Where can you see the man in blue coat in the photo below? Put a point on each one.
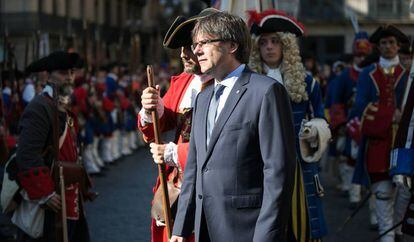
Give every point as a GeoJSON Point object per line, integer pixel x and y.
{"type": "Point", "coordinates": [241, 162]}
{"type": "Point", "coordinates": [343, 91]}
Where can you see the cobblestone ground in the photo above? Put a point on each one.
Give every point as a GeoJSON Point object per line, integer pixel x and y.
{"type": "Point", "coordinates": [122, 212]}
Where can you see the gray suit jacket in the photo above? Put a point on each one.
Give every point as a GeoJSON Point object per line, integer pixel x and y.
{"type": "Point", "coordinates": [243, 179]}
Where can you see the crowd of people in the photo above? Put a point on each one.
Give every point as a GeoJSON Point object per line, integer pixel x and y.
{"type": "Point", "coordinates": [251, 118]}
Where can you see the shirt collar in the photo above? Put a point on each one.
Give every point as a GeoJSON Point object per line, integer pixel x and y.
{"type": "Point", "coordinates": [274, 73]}
{"type": "Point", "coordinates": [48, 89]}
{"type": "Point", "coordinates": [231, 78]}
{"type": "Point", "coordinates": [387, 63]}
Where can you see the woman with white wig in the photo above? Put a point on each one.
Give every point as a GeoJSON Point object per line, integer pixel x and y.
{"type": "Point", "coordinates": [276, 53]}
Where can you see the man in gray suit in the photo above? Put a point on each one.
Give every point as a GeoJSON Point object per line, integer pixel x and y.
{"type": "Point", "coordinates": [240, 168]}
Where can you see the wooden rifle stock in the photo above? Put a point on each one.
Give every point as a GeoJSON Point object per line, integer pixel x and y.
{"type": "Point", "coordinates": [161, 167]}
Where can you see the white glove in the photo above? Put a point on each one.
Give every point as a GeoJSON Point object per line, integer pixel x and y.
{"type": "Point", "coordinates": [402, 181]}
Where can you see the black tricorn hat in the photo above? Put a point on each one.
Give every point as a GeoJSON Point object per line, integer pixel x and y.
{"type": "Point", "coordinates": [386, 31]}
{"type": "Point", "coordinates": [58, 60]}
{"type": "Point", "coordinates": [271, 21]}
{"type": "Point", "coordinates": [179, 33]}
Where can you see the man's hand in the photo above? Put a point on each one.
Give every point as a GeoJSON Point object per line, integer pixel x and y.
{"type": "Point", "coordinates": [157, 151]}
{"type": "Point", "coordinates": [55, 203]}
{"type": "Point", "coordinates": [150, 97]}
{"type": "Point", "coordinates": [175, 238]}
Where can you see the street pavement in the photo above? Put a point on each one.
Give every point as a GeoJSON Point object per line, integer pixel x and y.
{"type": "Point", "coordinates": [122, 211]}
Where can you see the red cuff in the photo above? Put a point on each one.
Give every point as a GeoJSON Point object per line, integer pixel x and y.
{"type": "Point", "coordinates": [37, 182]}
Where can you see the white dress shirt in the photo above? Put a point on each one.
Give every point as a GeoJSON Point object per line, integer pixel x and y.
{"type": "Point", "coordinates": [228, 82]}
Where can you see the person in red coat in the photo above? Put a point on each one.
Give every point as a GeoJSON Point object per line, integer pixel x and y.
{"type": "Point", "coordinates": [175, 111]}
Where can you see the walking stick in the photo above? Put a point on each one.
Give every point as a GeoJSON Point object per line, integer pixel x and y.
{"type": "Point", "coordinates": [161, 167]}
{"type": "Point", "coordinates": [62, 195]}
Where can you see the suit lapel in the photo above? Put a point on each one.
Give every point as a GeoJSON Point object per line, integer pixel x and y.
{"type": "Point", "coordinates": [231, 102]}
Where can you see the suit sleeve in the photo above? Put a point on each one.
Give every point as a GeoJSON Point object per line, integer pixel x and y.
{"type": "Point", "coordinates": [184, 220]}
{"type": "Point", "coordinates": [277, 146]}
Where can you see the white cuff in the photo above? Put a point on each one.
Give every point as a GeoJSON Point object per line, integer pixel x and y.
{"type": "Point", "coordinates": [44, 200]}
{"type": "Point", "coordinates": [146, 118]}
{"type": "Point", "coordinates": [171, 155]}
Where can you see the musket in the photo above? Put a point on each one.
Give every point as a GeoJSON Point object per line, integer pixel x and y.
{"type": "Point", "coordinates": [356, 210]}
{"type": "Point", "coordinates": [63, 199]}
{"type": "Point", "coordinates": [161, 167]}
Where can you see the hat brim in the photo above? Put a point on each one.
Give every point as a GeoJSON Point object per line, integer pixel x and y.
{"type": "Point", "coordinates": [277, 23]}
{"type": "Point", "coordinates": [386, 31]}
{"type": "Point", "coordinates": [179, 34]}
{"type": "Point", "coordinates": [58, 60]}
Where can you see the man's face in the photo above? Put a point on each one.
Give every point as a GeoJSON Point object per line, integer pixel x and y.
{"type": "Point", "coordinates": [270, 49]}
{"type": "Point", "coordinates": [388, 47]}
{"type": "Point", "coordinates": [189, 60]}
{"type": "Point", "coordinates": [358, 59]}
{"type": "Point", "coordinates": [210, 55]}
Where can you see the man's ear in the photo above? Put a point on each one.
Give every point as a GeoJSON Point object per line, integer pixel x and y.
{"type": "Point", "coordinates": [233, 47]}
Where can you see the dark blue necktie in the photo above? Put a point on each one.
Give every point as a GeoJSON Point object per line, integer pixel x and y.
{"type": "Point", "coordinates": [212, 110]}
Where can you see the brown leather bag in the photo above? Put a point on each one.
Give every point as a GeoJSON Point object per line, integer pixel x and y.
{"type": "Point", "coordinates": [73, 172]}
{"type": "Point", "coordinates": [173, 193]}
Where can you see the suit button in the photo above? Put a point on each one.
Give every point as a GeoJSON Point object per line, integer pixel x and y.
{"type": "Point", "coordinates": [200, 196]}
{"type": "Point", "coordinates": [205, 170]}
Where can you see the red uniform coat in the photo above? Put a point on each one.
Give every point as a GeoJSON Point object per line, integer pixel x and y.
{"type": "Point", "coordinates": [170, 121]}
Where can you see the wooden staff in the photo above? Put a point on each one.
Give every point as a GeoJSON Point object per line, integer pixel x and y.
{"type": "Point", "coordinates": [161, 167]}
{"type": "Point", "coordinates": [62, 195]}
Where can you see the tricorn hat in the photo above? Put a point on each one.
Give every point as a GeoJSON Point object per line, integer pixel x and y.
{"type": "Point", "coordinates": [58, 60]}
{"type": "Point", "coordinates": [271, 21]}
{"type": "Point", "coordinates": [386, 31]}
{"type": "Point", "coordinates": [179, 33]}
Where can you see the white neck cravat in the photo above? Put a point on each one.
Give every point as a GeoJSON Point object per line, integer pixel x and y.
{"type": "Point", "coordinates": [387, 63]}
{"type": "Point", "coordinates": [274, 73]}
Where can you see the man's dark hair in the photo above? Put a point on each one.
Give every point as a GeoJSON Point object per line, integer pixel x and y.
{"type": "Point", "coordinates": [228, 27]}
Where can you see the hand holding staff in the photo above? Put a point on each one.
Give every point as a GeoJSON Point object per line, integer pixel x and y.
{"type": "Point", "coordinates": [161, 167]}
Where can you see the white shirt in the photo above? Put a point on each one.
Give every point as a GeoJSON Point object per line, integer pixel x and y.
{"type": "Point", "coordinates": [228, 82]}
{"type": "Point", "coordinates": [191, 93]}
{"type": "Point", "coordinates": [274, 73]}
